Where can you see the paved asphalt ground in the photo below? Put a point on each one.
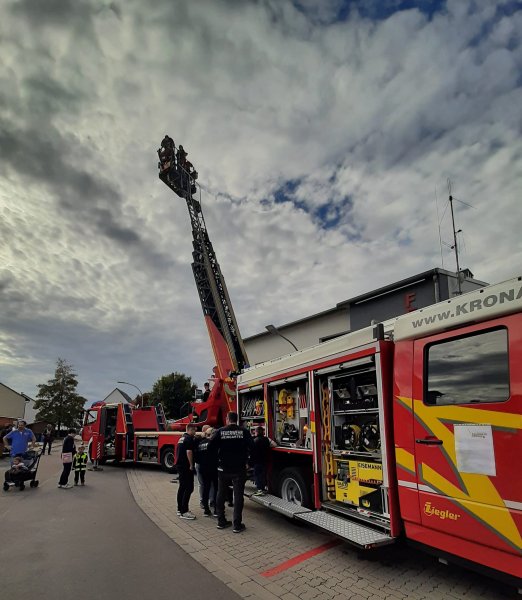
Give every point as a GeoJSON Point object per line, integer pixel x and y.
{"type": "Point", "coordinates": [119, 537]}
{"type": "Point", "coordinates": [92, 542]}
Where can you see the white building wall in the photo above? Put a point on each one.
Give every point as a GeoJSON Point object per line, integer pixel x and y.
{"type": "Point", "coordinates": [117, 397]}
{"type": "Point", "coordinates": [29, 412]}
{"type": "Point", "coordinates": [12, 404]}
{"type": "Point", "coordinates": [303, 334]}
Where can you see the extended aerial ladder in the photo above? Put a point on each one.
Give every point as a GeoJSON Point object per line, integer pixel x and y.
{"type": "Point", "coordinates": [227, 345]}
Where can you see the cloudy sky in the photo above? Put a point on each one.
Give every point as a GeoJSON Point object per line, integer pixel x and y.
{"type": "Point", "coordinates": [323, 130]}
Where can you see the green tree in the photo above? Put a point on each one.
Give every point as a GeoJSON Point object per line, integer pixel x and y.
{"type": "Point", "coordinates": [57, 401]}
{"type": "Point", "coordinates": [173, 391]}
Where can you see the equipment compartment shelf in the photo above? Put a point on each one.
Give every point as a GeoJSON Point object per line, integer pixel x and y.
{"type": "Point", "coordinates": [356, 411]}
{"type": "Point", "coordinates": [346, 454]}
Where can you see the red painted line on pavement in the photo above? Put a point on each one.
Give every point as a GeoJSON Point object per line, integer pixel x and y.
{"type": "Point", "coordinates": [288, 564]}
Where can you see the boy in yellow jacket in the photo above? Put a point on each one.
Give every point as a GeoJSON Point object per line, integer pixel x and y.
{"type": "Point", "coordinates": [80, 465]}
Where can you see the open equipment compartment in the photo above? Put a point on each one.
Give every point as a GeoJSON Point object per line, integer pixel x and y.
{"type": "Point", "coordinates": [355, 441]}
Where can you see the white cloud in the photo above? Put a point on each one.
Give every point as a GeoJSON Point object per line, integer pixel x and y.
{"type": "Point", "coordinates": [368, 118]}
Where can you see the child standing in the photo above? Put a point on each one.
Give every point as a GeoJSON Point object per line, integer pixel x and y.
{"type": "Point", "coordinates": [80, 465]}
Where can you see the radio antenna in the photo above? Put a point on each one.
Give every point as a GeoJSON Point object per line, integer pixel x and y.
{"type": "Point", "coordinates": [438, 223]}
{"type": "Point", "coordinates": [455, 246]}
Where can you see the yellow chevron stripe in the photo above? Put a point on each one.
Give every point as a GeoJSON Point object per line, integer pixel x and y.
{"type": "Point", "coordinates": [405, 459]}
{"type": "Point", "coordinates": [480, 497]}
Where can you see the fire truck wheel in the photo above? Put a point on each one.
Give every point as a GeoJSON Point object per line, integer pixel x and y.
{"type": "Point", "coordinates": [167, 460]}
{"type": "Point", "coordinates": [293, 488]}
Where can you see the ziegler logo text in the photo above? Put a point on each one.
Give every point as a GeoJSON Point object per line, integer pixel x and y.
{"type": "Point", "coordinates": [431, 511]}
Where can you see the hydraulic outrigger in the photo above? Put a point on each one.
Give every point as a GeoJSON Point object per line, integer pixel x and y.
{"type": "Point", "coordinates": [229, 352]}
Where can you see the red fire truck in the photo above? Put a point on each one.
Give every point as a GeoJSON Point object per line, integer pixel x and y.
{"type": "Point", "coordinates": [126, 432]}
{"type": "Point", "coordinates": [410, 428]}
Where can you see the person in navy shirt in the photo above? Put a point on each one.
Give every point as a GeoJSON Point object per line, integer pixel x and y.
{"type": "Point", "coordinates": [18, 440]}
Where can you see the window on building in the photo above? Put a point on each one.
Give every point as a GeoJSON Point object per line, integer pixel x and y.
{"type": "Point", "coordinates": [468, 370]}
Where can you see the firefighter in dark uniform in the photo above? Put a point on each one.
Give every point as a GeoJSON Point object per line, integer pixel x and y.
{"type": "Point", "coordinates": [185, 465]}
{"type": "Point", "coordinates": [233, 445]}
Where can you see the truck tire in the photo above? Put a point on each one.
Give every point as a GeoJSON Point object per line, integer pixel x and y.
{"type": "Point", "coordinates": [167, 459]}
{"type": "Point", "coordinates": [293, 488]}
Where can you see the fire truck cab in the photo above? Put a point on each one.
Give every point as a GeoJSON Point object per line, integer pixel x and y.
{"type": "Point", "coordinates": [121, 432]}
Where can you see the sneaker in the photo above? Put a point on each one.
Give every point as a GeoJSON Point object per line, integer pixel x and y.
{"type": "Point", "coordinates": [231, 504]}
{"type": "Point", "coordinates": [60, 486]}
{"type": "Point", "coordinates": [68, 486]}
{"type": "Point", "coordinates": [239, 529]}
{"type": "Point", "coordinates": [224, 524]}
{"type": "Point", "coordinates": [178, 512]}
{"type": "Point", "coordinates": [214, 514]}
{"type": "Point", "coordinates": [207, 513]}
{"type": "Point", "coordinates": [259, 493]}
{"type": "Point", "coordinates": [188, 515]}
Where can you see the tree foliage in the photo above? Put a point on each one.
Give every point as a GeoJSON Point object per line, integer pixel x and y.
{"type": "Point", "coordinates": [57, 400]}
{"type": "Point", "coordinates": [173, 391]}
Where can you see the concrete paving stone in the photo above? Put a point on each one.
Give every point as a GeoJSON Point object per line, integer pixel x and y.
{"type": "Point", "coordinates": [289, 596]}
{"type": "Point", "coordinates": [376, 592]}
{"type": "Point", "coordinates": [257, 590]}
{"type": "Point", "coordinates": [396, 595]}
{"type": "Point", "coordinates": [246, 570]}
{"type": "Point", "coordinates": [332, 583]}
{"type": "Point", "coordinates": [316, 581]}
{"type": "Point", "coordinates": [239, 589]}
{"type": "Point", "coordinates": [326, 595]}
{"type": "Point", "coordinates": [275, 589]}
{"type": "Point", "coordinates": [234, 562]}
{"type": "Point", "coordinates": [259, 579]}
{"type": "Point", "coordinates": [299, 590]}
{"type": "Point", "coordinates": [309, 594]}
{"type": "Point", "coordinates": [223, 576]}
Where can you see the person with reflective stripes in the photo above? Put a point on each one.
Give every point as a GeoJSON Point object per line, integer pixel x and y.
{"type": "Point", "coordinates": [80, 465]}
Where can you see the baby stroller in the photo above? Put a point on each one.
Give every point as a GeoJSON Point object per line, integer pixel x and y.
{"type": "Point", "coordinates": [31, 460]}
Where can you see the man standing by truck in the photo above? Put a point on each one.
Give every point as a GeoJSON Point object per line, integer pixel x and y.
{"type": "Point", "coordinates": [186, 468]}
{"type": "Point", "coordinates": [233, 445]}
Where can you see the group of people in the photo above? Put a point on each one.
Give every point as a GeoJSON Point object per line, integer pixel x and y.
{"type": "Point", "coordinates": [220, 458]}
{"type": "Point", "coordinates": [17, 438]}
{"type": "Point", "coordinates": [72, 459]}
{"type": "Point", "coordinates": [19, 443]}
{"type": "Point", "coordinates": [167, 153]}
